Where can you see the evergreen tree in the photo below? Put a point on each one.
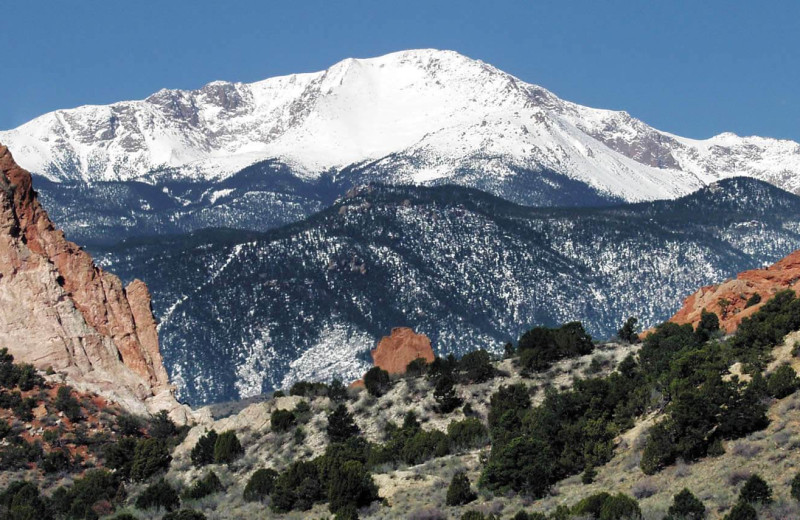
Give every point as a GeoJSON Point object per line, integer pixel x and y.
{"type": "Point", "coordinates": [444, 393]}
{"type": "Point", "coordinates": [782, 382]}
{"type": "Point", "coordinates": [158, 496]}
{"type": "Point", "coordinates": [150, 457]}
{"type": "Point", "coordinates": [203, 451]}
{"type": "Point", "coordinates": [708, 326]}
{"type": "Point", "coordinates": [460, 492]}
{"type": "Point", "coordinates": [341, 425]}
{"type": "Point", "coordinates": [351, 486]}
{"type": "Point", "coordinates": [686, 506]}
{"type": "Point", "coordinates": [376, 381]}
{"type": "Point", "coordinates": [227, 448]}
{"type": "Point", "coordinates": [742, 511]}
{"type": "Point", "coordinates": [628, 331]}
{"type": "Point", "coordinates": [756, 491]}
{"type": "Point", "coordinates": [260, 485]}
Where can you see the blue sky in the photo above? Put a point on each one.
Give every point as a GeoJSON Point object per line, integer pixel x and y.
{"type": "Point", "coordinates": [688, 67]}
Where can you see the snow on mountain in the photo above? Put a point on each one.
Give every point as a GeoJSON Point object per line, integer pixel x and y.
{"type": "Point", "coordinates": [422, 116]}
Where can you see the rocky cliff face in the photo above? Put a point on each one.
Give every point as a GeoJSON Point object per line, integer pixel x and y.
{"type": "Point", "coordinates": [57, 309]}
{"type": "Point", "coordinates": [396, 351]}
{"type": "Point", "coordinates": [729, 299]}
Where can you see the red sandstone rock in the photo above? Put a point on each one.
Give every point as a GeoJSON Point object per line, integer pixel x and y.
{"type": "Point", "coordinates": [403, 346]}
{"type": "Point", "coordinates": [57, 309]}
{"type": "Point", "coordinates": [784, 274]}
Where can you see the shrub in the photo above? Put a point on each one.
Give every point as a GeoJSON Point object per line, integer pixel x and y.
{"type": "Point", "coordinates": [351, 486]}
{"type": "Point", "coordinates": [686, 506]}
{"type": "Point", "coordinates": [341, 425]}
{"type": "Point", "coordinates": [207, 485]}
{"type": "Point", "coordinates": [782, 382]}
{"type": "Point", "coordinates": [227, 448]}
{"type": "Point", "coordinates": [742, 511]}
{"type": "Point", "coordinates": [282, 420]}
{"type": "Point", "coordinates": [628, 331]}
{"type": "Point", "coordinates": [150, 457]}
{"type": "Point", "coordinates": [161, 426]}
{"type": "Point", "coordinates": [756, 490]}
{"type": "Point", "coordinates": [620, 507]}
{"type": "Point", "coordinates": [540, 347]}
{"type": "Point", "coordinates": [159, 495]}
{"type": "Point", "coordinates": [203, 452]}
{"type": "Point", "coordinates": [337, 392]}
{"type": "Point", "coordinates": [473, 515]}
{"type": "Point", "coordinates": [425, 445]}
{"type": "Point", "coordinates": [185, 514]}
{"type": "Point", "coordinates": [22, 501]}
{"type": "Point", "coordinates": [260, 485]}
{"type": "Point", "coordinates": [755, 299]}
{"type": "Point", "coordinates": [376, 381]}
{"type": "Point", "coordinates": [67, 404]}
{"type": "Point", "coordinates": [299, 487]}
{"type": "Point", "coordinates": [467, 434]}
{"type": "Point", "coordinates": [416, 367]}
{"type": "Point", "coordinates": [525, 464]}
{"type": "Point", "coordinates": [659, 450]}
{"type": "Point", "coordinates": [444, 393]}
{"type": "Point", "coordinates": [96, 487]}
{"type": "Point", "coordinates": [476, 366]}
{"type": "Point", "coordinates": [460, 492]}
{"type": "Point", "coordinates": [708, 325]}
{"type": "Point", "coordinates": [119, 455]}
{"type": "Point", "coordinates": [56, 461]}
{"type": "Point", "coordinates": [347, 513]}
{"type": "Point", "coordinates": [796, 487]}
{"type": "Point", "coordinates": [129, 425]}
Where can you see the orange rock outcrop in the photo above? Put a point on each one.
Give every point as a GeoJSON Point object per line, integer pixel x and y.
{"type": "Point", "coordinates": [396, 351]}
{"type": "Point", "coordinates": [59, 310]}
{"type": "Point", "coordinates": [728, 299]}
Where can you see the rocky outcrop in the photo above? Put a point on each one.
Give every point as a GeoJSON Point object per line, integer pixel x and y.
{"type": "Point", "coordinates": [59, 310]}
{"type": "Point", "coordinates": [396, 351]}
{"type": "Point", "coordinates": [729, 299]}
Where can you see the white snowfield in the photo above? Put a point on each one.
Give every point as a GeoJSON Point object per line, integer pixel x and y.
{"type": "Point", "coordinates": [424, 115]}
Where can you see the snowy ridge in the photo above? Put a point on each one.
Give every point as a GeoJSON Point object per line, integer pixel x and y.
{"type": "Point", "coordinates": [424, 116]}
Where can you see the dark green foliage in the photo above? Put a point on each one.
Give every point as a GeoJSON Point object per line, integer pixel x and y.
{"type": "Point", "coordinates": [337, 392]}
{"type": "Point", "coordinates": [22, 501]}
{"type": "Point", "coordinates": [441, 366]}
{"type": "Point", "coordinates": [22, 375]}
{"type": "Point", "coordinates": [525, 464]}
{"type": "Point", "coordinates": [56, 461]}
{"type": "Point", "coordinates": [755, 299]}
{"type": "Point", "coordinates": [476, 367]}
{"type": "Point", "coordinates": [708, 326]}
{"type": "Point", "coordinates": [207, 485]}
{"type": "Point", "coordinates": [425, 445]}
{"type": "Point", "coordinates": [522, 515]}
{"type": "Point", "coordinates": [376, 381]}
{"type": "Point", "coordinates": [119, 455]}
{"type": "Point", "coordinates": [795, 490]}
{"type": "Point", "coordinates": [662, 345]}
{"type": "Point", "coordinates": [686, 506]}
{"type": "Point", "coordinates": [755, 491]}
{"type": "Point", "coordinates": [19, 454]}
{"type": "Point", "coordinates": [185, 514]}
{"type": "Point", "coordinates": [444, 393]}
{"type": "Point", "coordinates": [227, 448]}
{"type": "Point", "coordinates": [260, 485]}
{"type": "Point", "coordinates": [203, 451]}
{"type": "Point", "coordinates": [659, 449]}
{"type": "Point", "coordinates": [742, 511]}
{"type": "Point", "coordinates": [159, 495]}
{"type": "Point", "coordinates": [628, 332]}
{"type": "Point", "coordinates": [298, 487]}
{"type": "Point", "coordinates": [460, 492]}
{"type": "Point", "coordinates": [347, 513]}
{"type": "Point", "coordinates": [588, 475]}
{"type": "Point", "coordinates": [302, 412]}
{"type": "Point", "coordinates": [619, 507]}
{"type": "Point", "coordinates": [161, 426]}
{"type": "Point", "coordinates": [540, 347]}
{"type": "Point", "coordinates": [282, 420]}
{"type": "Point", "coordinates": [69, 405]}
{"type": "Point", "coordinates": [604, 506]}
{"type": "Point", "coordinates": [467, 434]}
{"type": "Point", "coordinates": [78, 500]}
{"type": "Point", "coordinates": [5, 428]}
{"type": "Point", "coordinates": [341, 425]}
{"type": "Point", "coordinates": [782, 382]}
{"type": "Point", "coordinates": [758, 333]}
{"type": "Point", "coordinates": [417, 367]}
{"type": "Point", "coordinates": [309, 389]}
{"type": "Point", "coordinates": [351, 485]}
{"type": "Point", "coordinates": [473, 515]}
{"type": "Point", "coordinates": [509, 401]}
{"type": "Point", "coordinates": [129, 425]}
{"type": "Point", "coordinates": [150, 457]}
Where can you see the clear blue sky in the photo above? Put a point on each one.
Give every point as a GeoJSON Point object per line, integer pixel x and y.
{"type": "Point", "coordinates": [695, 68]}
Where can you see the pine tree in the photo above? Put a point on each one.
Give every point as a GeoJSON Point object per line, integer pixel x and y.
{"type": "Point", "coordinates": [459, 492]}
{"type": "Point", "coordinates": [341, 425]}
{"type": "Point", "coordinates": [444, 393]}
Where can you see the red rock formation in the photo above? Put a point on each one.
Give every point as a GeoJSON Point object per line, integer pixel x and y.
{"type": "Point", "coordinates": [403, 346]}
{"type": "Point", "coordinates": [57, 309]}
{"type": "Point", "coordinates": [728, 299]}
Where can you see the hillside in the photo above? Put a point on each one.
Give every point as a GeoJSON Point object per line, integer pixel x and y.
{"type": "Point", "coordinates": [262, 154]}
{"type": "Point", "coordinates": [241, 315]}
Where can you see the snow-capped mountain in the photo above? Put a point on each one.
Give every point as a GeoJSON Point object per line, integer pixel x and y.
{"type": "Point", "coordinates": [419, 116]}
{"type": "Point", "coordinates": [243, 313]}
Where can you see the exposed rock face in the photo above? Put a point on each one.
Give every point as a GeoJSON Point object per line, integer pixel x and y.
{"type": "Point", "coordinates": [57, 309]}
{"type": "Point", "coordinates": [729, 298]}
{"type": "Point", "coordinates": [403, 346]}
